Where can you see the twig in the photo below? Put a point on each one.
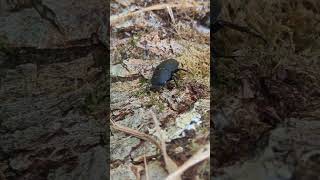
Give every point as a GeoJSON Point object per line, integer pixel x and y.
{"type": "Point", "coordinates": [202, 154]}
{"type": "Point", "coordinates": [145, 164]}
{"type": "Point", "coordinates": [171, 166]}
{"type": "Point", "coordinates": [169, 9]}
{"type": "Point", "coordinates": [137, 170]}
{"type": "Point", "coordinates": [116, 18]}
{"type": "Point", "coordinates": [135, 133]}
{"type": "Point", "coordinates": [124, 139]}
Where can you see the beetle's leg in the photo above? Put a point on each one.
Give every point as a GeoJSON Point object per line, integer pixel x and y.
{"type": "Point", "coordinates": [220, 24]}
{"type": "Point", "coordinates": [180, 69]}
{"type": "Point", "coordinates": [174, 77]}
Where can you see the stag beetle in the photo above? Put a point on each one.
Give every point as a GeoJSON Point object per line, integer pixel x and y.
{"type": "Point", "coordinates": [164, 73]}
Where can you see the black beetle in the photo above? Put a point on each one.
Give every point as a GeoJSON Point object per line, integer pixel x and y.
{"type": "Point", "coordinates": [164, 73]}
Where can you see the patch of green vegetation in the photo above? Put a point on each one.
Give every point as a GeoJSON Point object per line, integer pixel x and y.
{"type": "Point", "coordinates": [143, 81]}
{"type": "Point", "coordinates": [155, 101]}
{"type": "Point", "coordinates": [196, 59]}
{"type": "Point", "coordinates": [140, 93]}
{"type": "Point", "coordinates": [133, 41]}
{"type": "Point", "coordinates": [143, 91]}
{"type": "Point", "coordinates": [161, 106]}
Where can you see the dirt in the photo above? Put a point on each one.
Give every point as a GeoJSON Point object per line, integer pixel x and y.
{"type": "Point", "coordinates": [271, 89]}
{"type": "Point", "coordinates": [50, 82]}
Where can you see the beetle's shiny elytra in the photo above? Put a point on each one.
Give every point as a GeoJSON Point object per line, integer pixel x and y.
{"type": "Point", "coordinates": [163, 73]}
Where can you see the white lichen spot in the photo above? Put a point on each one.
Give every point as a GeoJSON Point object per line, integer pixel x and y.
{"type": "Point", "coordinates": [187, 121]}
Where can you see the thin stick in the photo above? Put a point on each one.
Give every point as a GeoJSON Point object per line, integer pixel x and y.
{"type": "Point", "coordinates": [145, 164]}
{"type": "Point", "coordinates": [116, 18]}
{"type": "Point", "coordinates": [202, 154]}
{"type": "Point", "coordinates": [171, 166]}
{"type": "Point", "coordinates": [169, 9]}
{"type": "Point", "coordinates": [135, 133]}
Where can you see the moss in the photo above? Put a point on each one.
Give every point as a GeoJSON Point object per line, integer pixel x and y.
{"type": "Point", "coordinates": [196, 59]}
{"type": "Point", "coordinates": [143, 81]}
{"type": "Point", "coordinates": [141, 92]}
{"type": "Point", "coordinates": [134, 41]}
{"type": "Point", "coordinates": [155, 101]}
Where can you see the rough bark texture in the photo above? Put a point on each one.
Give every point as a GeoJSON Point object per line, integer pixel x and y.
{"type": "Point", "coordinates": [47, 127]}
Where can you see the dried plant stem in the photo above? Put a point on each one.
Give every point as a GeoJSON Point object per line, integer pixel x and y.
{"type": "Point", "coordinates": [146, 165]}
{"type": "Point", "coordinates": [135, 133]}
{"type": "Point", "coordinates": [120, 17]}
{"type": "Point", "coordinates": [171, 166]}
{"type": "Point", "coordinates": [202, 154]}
